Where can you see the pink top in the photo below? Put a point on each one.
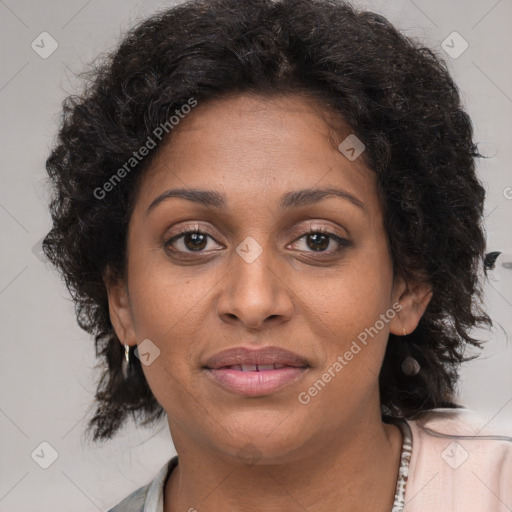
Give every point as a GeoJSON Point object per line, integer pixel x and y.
{"type": "Point", "coordinates": [453, 463]}
{"type": "Point", "coordinates": [458, 465]}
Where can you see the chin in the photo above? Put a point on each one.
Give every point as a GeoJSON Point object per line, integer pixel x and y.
{"type": "Point", "coordinates": [262, 446]}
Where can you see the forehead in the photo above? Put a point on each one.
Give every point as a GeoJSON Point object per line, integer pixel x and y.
{"type": "Point", "coordinates": [251, 147]}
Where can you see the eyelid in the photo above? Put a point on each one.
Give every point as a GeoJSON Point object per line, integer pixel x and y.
{"type": "Point", "coordinates": [194, 227]}
{"type": "Point", "coordinates": [321, 226]}
{"type": "Point", "coordinates": [297, 232]}
{"type": "Point", "coordinates": [340, 240]}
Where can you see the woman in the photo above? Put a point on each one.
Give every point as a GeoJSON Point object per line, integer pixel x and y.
{"type": "Point", "coordinates": [269, 218]}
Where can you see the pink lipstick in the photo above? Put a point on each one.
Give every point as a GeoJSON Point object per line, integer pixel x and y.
{"type": "Point", "coordinates": [255, 372]}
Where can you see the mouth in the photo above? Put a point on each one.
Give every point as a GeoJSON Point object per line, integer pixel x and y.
{"type": "Point", "coordinates": [258, 372]}
{"type": "Point", "coordinates": [264, 359]}
{"type": "Point", "coordinates": [255, 367]}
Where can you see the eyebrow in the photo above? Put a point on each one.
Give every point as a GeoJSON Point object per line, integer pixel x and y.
{"type": "Point", "coordinates": [211, 198]}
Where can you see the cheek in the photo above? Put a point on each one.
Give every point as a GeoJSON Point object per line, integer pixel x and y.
{"type": "Point", "coordinates": [165, 311]}
{"type": "Point", "coordinates": [354, 351]}
{"type": "Point", "coordinates": [356, 295]}
{"type": "Point", "coordinates": [357, 309]}
{"type": "Point", "coordinates": [165, 307]}
{"type": "Point", "coordinates": [164, 299]}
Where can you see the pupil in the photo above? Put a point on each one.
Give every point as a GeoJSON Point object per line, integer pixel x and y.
{"type": "Point", "coordinates": [315, 237]}
{"type": "Point", "coordinates": [320, 241]}
{"type": "Point", "coordinates": [195, 237]}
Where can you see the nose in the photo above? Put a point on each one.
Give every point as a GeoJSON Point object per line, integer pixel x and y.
{"type": "Point", "coordinates": [255, 294]}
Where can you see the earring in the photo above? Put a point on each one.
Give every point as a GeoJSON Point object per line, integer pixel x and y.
{"type": "Point", "coordinates": [410, 366]}
{"type": "Point", "coordinates": [126, 362]}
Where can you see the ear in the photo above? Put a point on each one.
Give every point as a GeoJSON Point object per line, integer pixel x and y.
{"type": "Point", "coordinates": [119, 308]}
{"type": "Point", "coordinates": [413, 297]}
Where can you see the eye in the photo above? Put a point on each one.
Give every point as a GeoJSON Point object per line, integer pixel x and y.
{"type": "Point", "coordinates": [319, 240]}
{"type": "Point", "coordinates": [189, 240]}
{"type": "Point", "coordinates": [192, 239]}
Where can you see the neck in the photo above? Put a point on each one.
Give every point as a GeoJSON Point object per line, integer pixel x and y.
{"type": "Point", "coordinates": [351, 469]}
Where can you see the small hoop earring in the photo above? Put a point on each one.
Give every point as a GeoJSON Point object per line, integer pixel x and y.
{"type": "Point", "coordinates": [126, 362]}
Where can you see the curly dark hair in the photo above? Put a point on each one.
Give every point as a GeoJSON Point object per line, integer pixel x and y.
{"type": "Point", "coordinates": [395, 95]}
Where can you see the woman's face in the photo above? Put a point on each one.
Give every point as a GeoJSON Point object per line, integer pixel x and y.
{"type": "Point", "coordinates": [252, 277]}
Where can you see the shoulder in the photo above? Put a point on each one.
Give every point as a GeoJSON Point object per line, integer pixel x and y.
{"type": "Point", "coordinates": [458, 463]}
{"type": "Point", "coordinates": [134, 502]}
{"type": "Point", "coordinates": [149, 497]}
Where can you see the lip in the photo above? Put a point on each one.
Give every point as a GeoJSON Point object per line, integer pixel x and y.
{"type": "Point", "coordinates": [264, 355]}
{"type": "Point", "coordinates": [239, 369]}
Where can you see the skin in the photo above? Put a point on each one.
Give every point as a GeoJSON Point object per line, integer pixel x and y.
{"type": "Point", "coordinates": [334, 453]}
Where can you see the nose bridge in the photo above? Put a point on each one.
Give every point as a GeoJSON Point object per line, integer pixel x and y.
{"type": "Point", "coordinates": [253, 271]}
{"type": "Point", "coordinates": [253, 291]}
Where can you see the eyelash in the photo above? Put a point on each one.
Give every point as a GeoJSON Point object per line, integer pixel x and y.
{"type": "Point", "coordinates": [342, 242]}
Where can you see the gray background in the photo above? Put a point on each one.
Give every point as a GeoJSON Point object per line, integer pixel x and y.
{"type": "Point", "coordinates": [46, 367]}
